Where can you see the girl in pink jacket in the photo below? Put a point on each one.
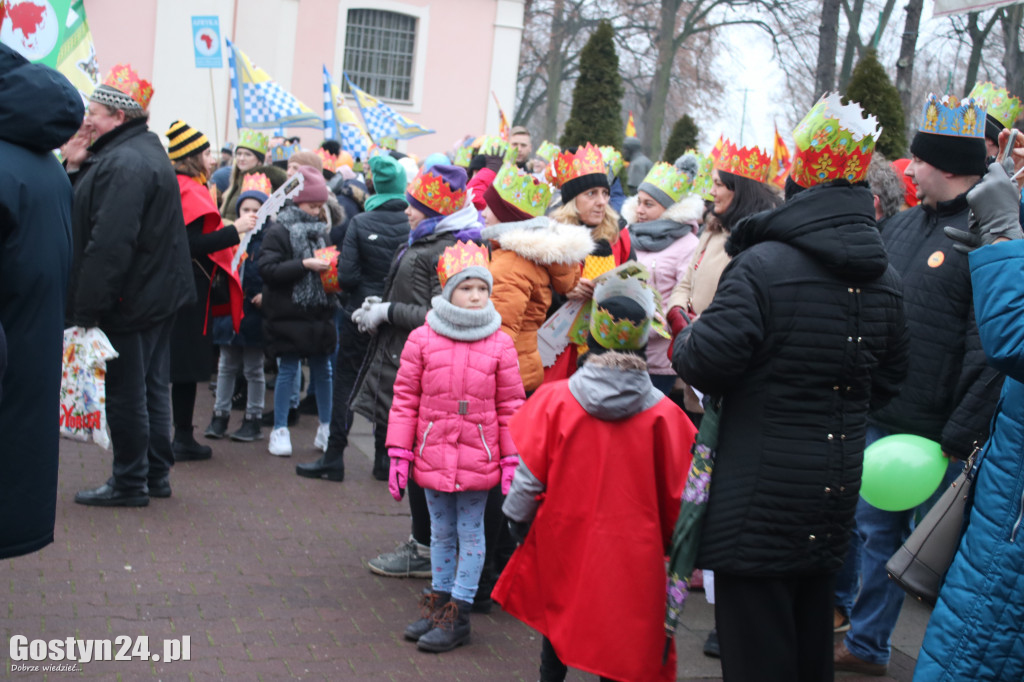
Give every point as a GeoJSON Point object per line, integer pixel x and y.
{"type": "Point", "coordinates": [458, 385]}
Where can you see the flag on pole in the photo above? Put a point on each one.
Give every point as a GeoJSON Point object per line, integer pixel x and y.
{"type": "Point", "coordinates": [503, 126]}
{"type": "Point", "coordinates": [947, 7]}
{"type": "Point", "coordinates": [340, 122]}
{"type": "Point", "coordinates": [780, 166]}
{"type": "Point", "coordinates": [262, 104]}
{"type": "Point", "coordinates": [630, 126]}
{"type": "Point", "coordinates": [383, 123]}
{"type": "Point", "coordinates": [53, 33]}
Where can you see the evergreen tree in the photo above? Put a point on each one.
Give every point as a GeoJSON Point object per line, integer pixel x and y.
{"type": "Point", "coordinates": [684, 136]}
{"type": "Point", "coordinates": [596, 99]}
{"type": "Point", "coordinates": [871, 88]}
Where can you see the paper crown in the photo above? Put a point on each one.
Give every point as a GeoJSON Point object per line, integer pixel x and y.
{"type": "Point", "coordinates": [670, 180]}
{"type": "Point", "coordinates": [460, 256]}
{"type": "Point", "coordinates": [749, 162]}
{"type": "Point", "coordinates": [612, 159]}
{"type": "Point", "coordinates": [1000, 104]}
{"type": "Point", "coordinates": [463, 155]}
{"type": "Point", "coordinates": [547, 150]}
{"type": "Point", "coordinates": [257, 182]}
{"type": "Point", "coordinates": [125, 80]}
{"type": "Point", "coordinates": [566, 166]}
{"type": "Point", "coordinates": [253, 140]}
{"type": "Point", "coordinates": [283, 152]}
{"type": "Point", "coordinates": [702, 183]}
{"type": "Point", "coordinates": [522, 190]}
{"type": "Point", "coordinates": [833, 142]}
{"type": "Point", "coordinates": [492, 145]}
{"type": "Point", "coordinates": [435, 193]}
{"type": "Point", "coordinates": [619, 333]}
{"type": "Point", "coordinates": [953, 117]}
{"type": "Point", "coordinates": [328, 160]}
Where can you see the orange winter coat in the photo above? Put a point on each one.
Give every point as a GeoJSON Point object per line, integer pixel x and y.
{"type": "Point", "coordinates": [529, 258]}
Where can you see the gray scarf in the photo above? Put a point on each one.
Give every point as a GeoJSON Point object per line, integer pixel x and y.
{"type": "Point", "coordinates": [461, 324]}
{"type": "Point", "coordinates": [307, 234]}
{"type": "Point", "coordinates": [657, 235]}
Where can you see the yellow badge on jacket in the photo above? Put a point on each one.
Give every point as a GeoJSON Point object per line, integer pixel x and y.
{"type": "Point", "coordinates": [936, 259]}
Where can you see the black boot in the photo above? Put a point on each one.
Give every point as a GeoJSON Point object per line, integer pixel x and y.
{"type": "Point", "coordinates": [250, 429]}
{"type": "Point", "coordinates": [381, 466]}
{"type": "Point", "coordinates": [431, 604]}
{"type": "Point", "coordinates": [451, 628]}
{"type": "Point", "coordinates": [185, 447]}
{"type": "Point", "coordinates": [218, 426]}
{"type": "Point", "coordinates": [331, 466]}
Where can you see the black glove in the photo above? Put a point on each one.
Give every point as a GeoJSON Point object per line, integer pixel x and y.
{"type": "Point", "coordinates": [518, 530]}
{"type": "Point", "coordinates": [493, 162]}
{"type": "Point", "coordinates": [995, 212]}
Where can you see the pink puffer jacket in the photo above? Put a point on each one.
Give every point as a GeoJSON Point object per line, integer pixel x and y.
{"type": "Point", "coordinates": [453, 401]}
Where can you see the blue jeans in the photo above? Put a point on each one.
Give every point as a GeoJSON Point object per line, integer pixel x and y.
{"type": "Point", "coordinates": [880, 533]}
{"type": "Point", "coordinates": [289, 367]}
{"type": "Point", "coordinates": [457, 527]}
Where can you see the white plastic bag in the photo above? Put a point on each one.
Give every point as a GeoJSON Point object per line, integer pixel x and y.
{"type": "Point", "coordinates": [83, 395]}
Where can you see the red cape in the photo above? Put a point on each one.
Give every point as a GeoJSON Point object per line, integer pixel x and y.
{"type": "Point", "coordinates": [590, 575]}
{"type": "Point", "coordinates": [196, 203]}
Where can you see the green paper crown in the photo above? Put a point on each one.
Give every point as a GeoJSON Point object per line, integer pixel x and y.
{"type": "Point", "coordinates": [705, 167]}
{"type": "Point", "coordinates": [1002, 106]}
{"type": "Point", "coordinates": [547, 151]}
{"type": "Point", "coordinates": [670, 180]}
{"type": "Point", "coordinates": [616, 334]}
{"type": "Point", "coordinates": [522, 190]}
{"type": "Point", "coordinates": [612, 159]}
{"type": "Point", "coordinates": [492, 145]}
{"type": "Point", "coordinates": [254, 140]}
{"type": "Point", "coordinates": [463, 155]}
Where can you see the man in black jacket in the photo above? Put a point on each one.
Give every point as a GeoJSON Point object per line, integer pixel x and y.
{"type": "Point", "coordinates": [130, 274]}
{"type": "Point", "coordinates": [805, 335]}
{"type": "Point", "coordinates": [950, 392]}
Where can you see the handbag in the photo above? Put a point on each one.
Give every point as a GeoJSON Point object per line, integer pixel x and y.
{"type": "Point", "coordinates": [219, 291]}
{"type": "Point", "coordinates": [919, 566]}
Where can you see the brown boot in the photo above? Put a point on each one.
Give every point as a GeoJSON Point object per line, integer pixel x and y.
{"type": "Point", "coordinates": [842, 659]}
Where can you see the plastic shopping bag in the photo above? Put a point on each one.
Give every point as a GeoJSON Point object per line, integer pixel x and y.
{"type": "Point", "coordinates": [83, 396]}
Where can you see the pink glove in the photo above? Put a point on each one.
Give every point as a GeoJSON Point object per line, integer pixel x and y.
{"type": "Point", "coordinates": [398, 476]}
{"type": "Point", "coordinates": [508, 470]}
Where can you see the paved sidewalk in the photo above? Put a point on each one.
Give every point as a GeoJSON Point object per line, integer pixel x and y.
{"type": "Point", "coordinates": [265, 572]}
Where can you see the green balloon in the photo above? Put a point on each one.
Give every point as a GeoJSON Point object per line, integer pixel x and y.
{"type": "Point", "coordinates": [901, 471]}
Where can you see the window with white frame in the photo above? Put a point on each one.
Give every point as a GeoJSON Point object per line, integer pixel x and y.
{"type": "Point", "coordinates": [379, 48]}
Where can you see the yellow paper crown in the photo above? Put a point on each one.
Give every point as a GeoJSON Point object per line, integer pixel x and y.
{"type": "Point", "coordinates": [460, 256]}
{"type": "Point", "coordinates": [566, 165]}
{"type": "Point", "coordinates": [749, 162]}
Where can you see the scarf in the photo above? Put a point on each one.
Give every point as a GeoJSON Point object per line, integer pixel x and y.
{"type": "Point", "coordinates": [466, 223]}
{"type": "Point", "coordinates": [306, 234]}
{"type": "Point", "coordinates": [461, 324]}
{"type": "Point", "coordinates": [657, 235]}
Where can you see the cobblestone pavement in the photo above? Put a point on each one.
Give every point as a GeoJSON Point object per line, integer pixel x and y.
{"type": "Point", "coordinates": [265, 573]}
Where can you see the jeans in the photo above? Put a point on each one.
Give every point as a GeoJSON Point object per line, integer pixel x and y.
{"type": "Point", "coordinates": [289, 368]}
{"type": "Point", "coordinates": [880, 533]}
{"type": "Point", "coordinates": [250, 360]}
{"type": "Point", "coordinates": [457, 528]}
{"type": "Point", "coordinates": [139, 406]}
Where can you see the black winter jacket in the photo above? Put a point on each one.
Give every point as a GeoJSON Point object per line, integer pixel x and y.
{"type": "Point", "coordinates": [370, 244]}
{"type": "Point", "coordinates": [131, 266]}
{"type": "Point", "coordinates": [950, 392]}
{"type": "Point", "coordinates": [805, 334]}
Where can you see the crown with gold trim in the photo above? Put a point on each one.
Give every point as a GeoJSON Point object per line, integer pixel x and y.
{"type": "Point", "coordinates": [547, 150]}
{"type": "Point", "coordinates": [749, 162]}
{"type": "Point", "coordinates": [1001, 105]}
{"type": "Point", "coordinates": [283, 152]}
{"type": "Point", "coordinates": [567, 166]}
{"type": "Point", "coordinates": [257, 182]}
{"type": "Point", "coordinates": [460, 256]}
{"type": "Point", "coordinates": [253, 140]}
{"type": "Point", "coordinates": [953, 117]}
{"type": "Point", "coordinates": [702, 183]}
{"type": "Point", "coordinates": [670, 180]}
{"type": "Point", "coordinates": [123, 88]}
{"type": "Point", "coordinates": [463, 155]}
{"type": "Point", "coordinates": [522, 190]}
{"type": "Point", "coordinates": [616, 333]}
{"type": "Point", "coordinates": [833, 142]}
{"type": "Point", "coordinates": [435, 193]}
{"type": "Point", "coordinates": [492, 145]}
{"type": "Point", "coordinates": [328, 160]}
{"type": "Point", "coordinates": [613, 160]}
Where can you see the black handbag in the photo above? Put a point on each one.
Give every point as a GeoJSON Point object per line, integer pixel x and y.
{"type": "Point", "coordinates": [219, 292]}
{"type": "Point", "coordinates": [919, 566]}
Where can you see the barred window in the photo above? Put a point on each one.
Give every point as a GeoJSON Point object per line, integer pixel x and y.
{"type": "Point", "coordinates": [379, 48]}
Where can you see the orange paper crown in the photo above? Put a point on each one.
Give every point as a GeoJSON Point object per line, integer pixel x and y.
{"type": "Point", "coordinates": [750, 162]}
{"type": "Point", "coordinates": [124, 78]}
{"type": "Point", "coordinates": [327, 159]}
{"type": "Point", "coordinates": [433, 192]}
{"type": "Point", "coordinates": [568, 166]}
{"type": "Point", "coordinates": [457, 258]}
{"type": "Point", "coordinates": [257, 182]}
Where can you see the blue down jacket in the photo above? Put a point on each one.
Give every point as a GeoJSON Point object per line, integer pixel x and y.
{"type": "Point", "coordinates": [977, 628]}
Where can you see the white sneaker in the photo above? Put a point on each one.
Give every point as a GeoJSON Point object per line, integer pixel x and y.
{"type": "Point", "coordinates": [280, 442]}
{"type": "Point", "coordinates": [323, 432]}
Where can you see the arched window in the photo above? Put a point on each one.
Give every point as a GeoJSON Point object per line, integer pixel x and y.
{"type": "Point", "coordinates": [379, 48]}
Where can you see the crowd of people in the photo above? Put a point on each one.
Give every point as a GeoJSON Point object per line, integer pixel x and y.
{"type": "Point", "coordinates": [536, 337]}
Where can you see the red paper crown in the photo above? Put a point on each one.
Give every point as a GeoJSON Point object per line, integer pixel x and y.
{"type": "Point", "coordinates": [568, 166]}
{"type": "Point", "coordinates": [124, 78]}
{"type": "Point", "coordinates": [457, 258]}
{"type": "Point", "coordinates": [327, 159]}
{"type": "Point", "coordinates": [257, 182]}
{"type": "Point", "coordinates": [433, 192]}
{"type": "Point", "coordinates": [750, 162]}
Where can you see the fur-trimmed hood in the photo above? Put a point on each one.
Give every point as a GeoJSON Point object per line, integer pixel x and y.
{"type": "Point", "coordinates": [542, 240]}
{"type": "Point", "coordinates": [689, 210]}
